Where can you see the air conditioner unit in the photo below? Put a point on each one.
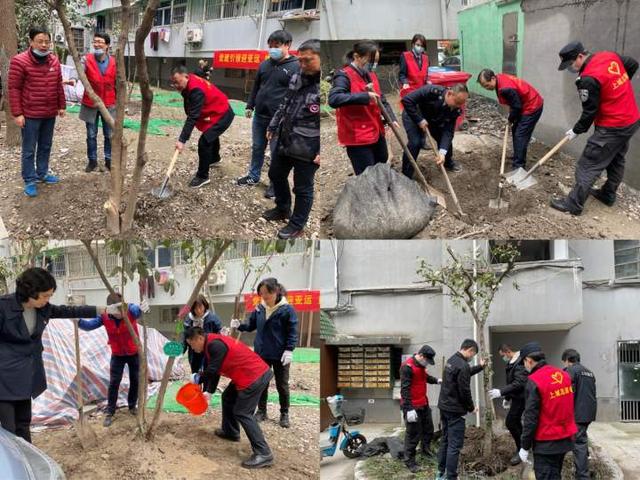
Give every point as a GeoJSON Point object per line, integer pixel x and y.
{"type": "Point", "coordinates": [194, 35]}
{"type": "Point", "coordinates": [218, 278]}
{"type": "Point", "coordinates": [59, 38]}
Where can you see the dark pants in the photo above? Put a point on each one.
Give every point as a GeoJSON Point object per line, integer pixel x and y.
{"type": "Point", "coordinates": [453, 426]}
{"type": "Point", "coordinates": [513, 422]}
{"type": "Point", "coordinates": [37, 137]}
{"type": "Point", "coordinates": [238, 408]}
{"type": "Point", "coordinates": [581, 452]}
{"type": "Point", "coordinates": [259, 144]}
{"type": "Point", "coordinates": [282, 385]}
{"type": "Point", "coordinates": [92, 141]}
{"type": "Point", "coordinates": [15, 416]}
{"type": "Point", "coordinates": [363, 156]}
{"type": "Point", "coordinates": [115, 377]}
{"type": "Point", "coordinates": [521, 135]}
{"type": "Point", "coordinates": [548, 467]}
{"type": "Point", "coordinates": [195, 361]}
{"type": "Point", "coordinates": [209, 144]}
{"type": "Point", "coordinates": [605, 150]}
{"type": "Point", "coordinates": [303, 175]}
{"type": "Point", "coordinates": [416, 139]}
{"type": "Point", "coordinates": [420, 431]}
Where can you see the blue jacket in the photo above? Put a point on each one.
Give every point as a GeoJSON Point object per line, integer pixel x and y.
{"type": "Point", "coordinates": [22, 374]}
{"type": "Point", "coordinates": [88, 325]}
{"type": "Point", "coordinates": [275, 334]}
{"type": "Point", "coordinates": [211, 324]}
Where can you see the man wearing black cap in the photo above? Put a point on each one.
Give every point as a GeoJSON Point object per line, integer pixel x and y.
{"type": "Point", "coordinates": [415, 404]}
{"type": "Point", "coordinates": [548, 424]}
{"type": "Point", "coordinates": [608, 101]}
{"type": "Point", "coordinates": [586, 406]}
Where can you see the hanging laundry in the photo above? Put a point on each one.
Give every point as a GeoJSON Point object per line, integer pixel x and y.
{"type": "Point", "coordinates": [154, 40]}
{"type": "Point", "coordinates": [167, 35]}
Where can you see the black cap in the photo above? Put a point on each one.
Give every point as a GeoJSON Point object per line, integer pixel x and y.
{"type": "Point", "coordinates": [569, 53]}
{"type": "Point", "coordinates": [428, 352]}
{"type": "Point", "coordinates": [530, 348]}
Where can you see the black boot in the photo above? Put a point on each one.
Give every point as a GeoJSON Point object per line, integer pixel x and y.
{"type": "Point", "coordinates": [284, 420]}
{"type": "Point", "coordinates": [222, 434]}
{"type": "Point", "coordinates": [258, 461]}
{"type": "Point", "coordinates": [515, 460]}
{"type": "Point", "coordinates": [561, 205]}
{"type": "Point", "coordinates": [598, 194]}
{"type": "Point", "coordinates": [261, 415]}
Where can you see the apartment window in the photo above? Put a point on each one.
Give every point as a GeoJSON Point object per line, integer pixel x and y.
{"type": "Point", "coordinates": [238, 249]}
{"type": "Point", "coordinates": [164, 257]}
{"type": "Point", "coordinates": [196, 12]}
{"type": "Point", "coordinates": [530, 250]}
{"type": "Point", "coordinates": [163, 14]}
{"type": "Point", "coordinates": [179, 12]}
{"type": "Point", "coordinates": [78, 38]}
{"type": "Point", "coordinates": [627, 259]}
{"type": "Point", "coordinates": [101, 23]}
{"type": "Point", "coordinates": [216, 9]}
{"type": "Point", "coordinates": [180, 256]}
{"type": "Point", "coordinates": [284, 5]}
{"type": "Point", "coordinates": [135, 18]}
{"type": "Point", "coordinates": [80, 264]}
{"type": "Point", "coordinates": [390, 52]}
{"type": "Point", "coordinates": [169, 315]}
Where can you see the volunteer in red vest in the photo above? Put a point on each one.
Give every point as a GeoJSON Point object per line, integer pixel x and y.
{"type": "Point", "coordinates": [414, 66]}
{"type": "Point", "coordinates": [525, 109]}
{"type": "Point", "coordinates": [548, 426]}
{"type": "Point", "coordinates": [36, 97]}
{"type": "Point", "coordinates": [608, 101]}
{"type": "Point", "coordinates": [123, 350]}
{"type": "Point", "coordinates": [249, 375]}
{"type": "Point", "coordinates": [100, 68]}
{"type": "Point", "coordinates": [208, 110]}
{"type": "Point", "coordinates": [415, 404]}
{"type": "Point", "coordinates": [360, 125]}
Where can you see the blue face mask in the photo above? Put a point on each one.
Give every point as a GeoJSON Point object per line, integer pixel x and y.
{"type": "Point", "coordinates": [572, 69]}
{"type": "Point", "coordinates": [275, 53]}
{"type": "Point", "coordinates": [98, 52]}
{"type": "Point", "coordinates": [371, 67]}
{"type": "Point", "coordinates": [40, 53]}
{"type": "Point", "coordinates": [418, 49]}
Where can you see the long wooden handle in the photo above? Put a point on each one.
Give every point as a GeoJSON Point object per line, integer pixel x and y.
{"type": "Point", "coordinates": [173, 163]}
{"type": "Point", "coordinates": [546, 157]}
{"type": "Point", "coordinates": [78, 368]}
{"type": "Point", "coordinates": [504, 149]}
{"type": "Point", "coordinates": [434, 147]}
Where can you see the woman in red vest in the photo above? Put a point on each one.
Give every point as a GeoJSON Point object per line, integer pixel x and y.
{"type": "Point", "coordinates": [414, 66]}
{"type": "Point", "coordinates": [360, 126]}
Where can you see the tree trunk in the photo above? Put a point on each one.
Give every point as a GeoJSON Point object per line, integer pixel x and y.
{"type": "Point", "coordinates": [8, 48]}
{"type": "Point", "coordinates": [487, 441]}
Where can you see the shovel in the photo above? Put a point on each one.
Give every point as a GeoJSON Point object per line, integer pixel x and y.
{"type": "Point", "coordinates": [498, 202]}
{"type": "Point", "coordinates": [423, 181]}
{"type": "Point", "coordinates": [163, 192]}
{"type": "Point", "coordinates": [523, 179]}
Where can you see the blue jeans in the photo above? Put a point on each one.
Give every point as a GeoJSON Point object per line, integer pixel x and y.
{"type": "Point", "coordinates": [521, 134]}
{"type": "Point", "coordinates": [37, 133]}
{"type": "Point", "coordinates": [258, 145]}
{"type": "Point", "coordinates": [92, 141]}
{"type": "Point", "coordinates": [453, 426]}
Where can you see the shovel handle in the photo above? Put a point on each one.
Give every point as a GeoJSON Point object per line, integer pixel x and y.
{"type": "Point", "coordinates": [172, 164]}
{"type": "Point", "coordinates": [546, 157]}
{"type": "Point", "coordinates": [434, 147]}
{"type": "Point", "coordinates": [504, 149]}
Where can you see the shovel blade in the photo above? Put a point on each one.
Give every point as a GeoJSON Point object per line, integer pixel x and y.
{"type": "Point", "coordinates": [528, 182]}
{"type": "Point", "coordinates": [515, 176]}
{"type": "Point", "coordinates": [498, 203]}
{"type": "Point", "coordinates": [161, 192]}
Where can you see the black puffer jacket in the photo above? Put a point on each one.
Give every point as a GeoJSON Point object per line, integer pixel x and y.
{"type": "Point", "coordinates": [516, 380]}
{"type": "Point", "coordinates": [455, 392]}
{"type": "Point", "coordinates": [271, 85]}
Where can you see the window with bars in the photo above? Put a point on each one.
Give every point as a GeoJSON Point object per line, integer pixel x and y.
{"type": "Point", "coordinates": [627, 259]}
{"type": "Point", "coordinates": [236, 250]}
{"type": "Point", "coordinates": [78, 38]}
{"type": "Point", "coordinates": [285, 5]}
{"type": "Point", "coordinates": [169, 315]}
{"type": "Point", "coordinates": [217, 9]}
{"type": "Point", "coordinates": [163, 14]}
{"type": "Point", "coordinates": [179, 13]}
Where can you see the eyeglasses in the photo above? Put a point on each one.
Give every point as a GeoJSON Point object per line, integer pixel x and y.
{"type": "Point", "coordinates": [42, 42]}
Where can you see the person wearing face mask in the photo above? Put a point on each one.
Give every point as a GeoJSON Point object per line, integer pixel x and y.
{"type": "Point", "coordinates": [513, 393]}
{"type": "Point", "coordinates": [525, 109]}
{"type": "Point", "coordinates": [608, 101]}
{"type": "Point", "coordinates": [100, 68]}
{"type": "Point", "coordinates": [455, 402]}
{"type": "Point", "coordinates": [437, 108]}
{"type": "Point", "coordinates": [269, 89]}
{"type": "Point", "coordinates": [36, 97]}
{"type": "Point", "coordinates": [276, 326]}
{"type": "Point", "coordinates": [359, 119]}
{"type": "Point", "coordinates": [414, 66]}
{"type": "Point", "coordinates": [24, 315]}
{"type": "Point", "coordinates": [415, 404]}
{"type": "Point", "coordinates": [548, 425]}
{"type": "Point", "coordinates": [199, 316]}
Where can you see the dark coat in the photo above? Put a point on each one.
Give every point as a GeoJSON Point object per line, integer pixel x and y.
{"type": "Point", "coordinates": [275, 334]}
{"type": "Point", "coordinates": [22, 374]}
{"type": "Point", "coordinates": [455, 392]}
{"type": "Point", "coordinates": [271, 85]}
{"type": "Point", "coordinates": [584, 392]}
{"type": "Point", "coordinates": [516, 380]}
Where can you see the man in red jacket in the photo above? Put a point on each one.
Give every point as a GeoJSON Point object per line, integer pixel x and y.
{"type": "Point", "coordinates": [208, 110]}
{"type": "Point", "coordinates": [249, 374]}
{"type": "Point", "coordinates": [100, 68]}
{"type": "Point", "coordinates": [36, 97]}
{"type": "Point", "coordinates": [608, 101]}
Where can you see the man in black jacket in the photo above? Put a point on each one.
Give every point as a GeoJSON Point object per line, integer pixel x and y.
{"type": "Point", "coordinates": [295, 130]}
{"type": "Point", "coordinates": [436, 108]}
{"type": "Point", "coordinates": [23, 317]}
{"type": "Point", "coordinates": [269, 88]}
{"type": "Point", "coordinates": [455, 402]}
{"type": "Point", "coordinates": [513, 393]}
{"type": "Point", "coordinates": [585, 407]}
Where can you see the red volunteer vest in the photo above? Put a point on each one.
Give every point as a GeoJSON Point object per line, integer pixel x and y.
{"type": "Point", "coordinates": [359, 124]}
{"type": "Point", "coordinates": [418, 383]}
{"type": "Point", "coordinates": [215, 105]}
{"type": "Point", "coordinates": [618, 106]}
{"type": "Point", "coordinates": [556, 407]}
{"type": "Point", "coordinates": [103, 85]}
{"type": "Point", "coordinates": [120, 341]}
{"type": "Point", "coordinates": [529, 96]}
{"type": "Point", "coordinates": [241, 364]}
{"type": "Point", "coordinates": [417, 77]}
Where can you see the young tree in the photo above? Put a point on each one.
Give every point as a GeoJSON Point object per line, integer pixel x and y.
{"type": "Point", "coordinates": [8, 48]}
{"type": "Point", "coordinates": [472, 283]}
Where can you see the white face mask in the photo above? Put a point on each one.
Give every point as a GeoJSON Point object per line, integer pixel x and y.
{"type": "Point", "coordinates": [505, 358]}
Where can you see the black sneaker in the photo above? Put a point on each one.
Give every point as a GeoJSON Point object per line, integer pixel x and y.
{"type": "Point", "coordinates": [270, 193]}
{"type": "Point", "coordinates": [258, 461]}
{"type": "Point", "coordinates": [515, 460]}
{"type": "Point", "coordinates": [284, 420]}
{"type": "Point", "coordinates": [247, 181]}
{"type": "Point", "coordinates": [598, 194]}
{"type": "Point", "coordinates": [413, 467]}
{"type": "Point", "coordinates": [289, 232]}
{"type": "Point", "coordinates": [90, 167]}
{"type": "Point", "coordinates": [454, 167]}
{"type": "Point", "coordinates": [197, 182]}
{"type": "Point", "coordinates": [561, 205]}
{"type": "Point", "coordinates": [276, 214]}
{"type": "Point", "coordinates": [133, 411]}
{"type": "Point", "coordinates": [222, 434]}
{"type": "Point", "coordinates": [260, 416]}
{"type": "Point", "coordinates": [108, 420]}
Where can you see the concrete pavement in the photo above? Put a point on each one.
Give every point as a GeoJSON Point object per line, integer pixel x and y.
{"type": "Point", "coordinates": [621, 441]}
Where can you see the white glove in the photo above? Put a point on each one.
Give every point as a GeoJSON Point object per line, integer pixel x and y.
{"type": "Point", "coordinates": [494, 393]}
{"type": "Point", "coordinates": [226, 331]}
{"type": "Point", "coordinates": [144, 306]}
{"type": "Point", "coordinates": [523, 454]}
{"type": "Point", "coordinates": [439, 381]}
{"type": "Point", "coordinates": [207, 397]}
{"type": "Point", "coordinates": [571, 134]}
{"type": "Point", "coordinates": [235, 323]}
{"type": "Point", "coordinates": [113, 309]}
{"type": "Point", "coordinates": [412, 416]}
{"type": "Point", "coordinates": [195, 378]}
{"type": "Point", "coordinates": [506, 404]}
{"type": "Point", "coordinates": [287, 356]}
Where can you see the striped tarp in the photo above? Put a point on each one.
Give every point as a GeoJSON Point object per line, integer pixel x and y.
{"type": "Point", "coordinates": [58, 405]}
